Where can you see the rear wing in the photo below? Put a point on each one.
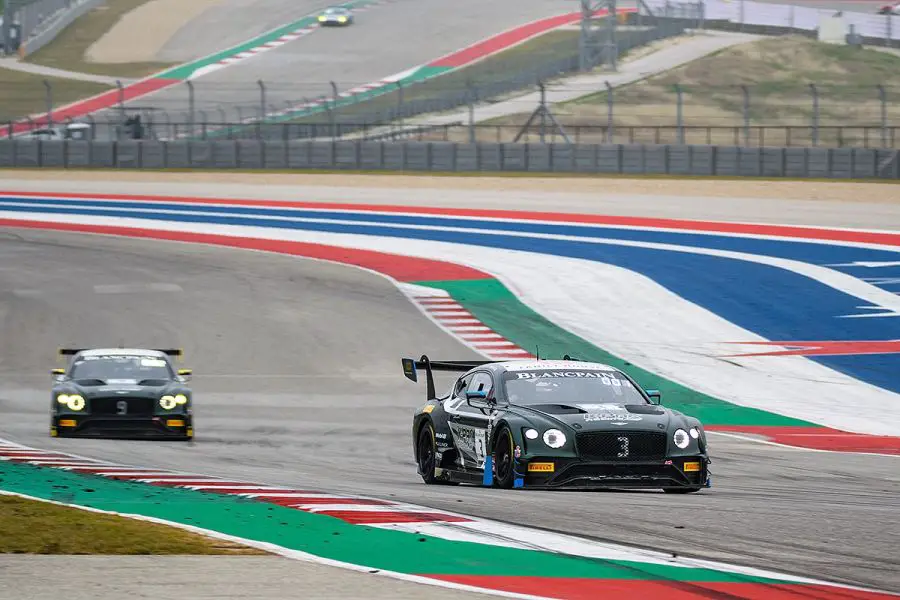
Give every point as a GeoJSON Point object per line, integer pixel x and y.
{"type": "Point", "coordinates": [411, 366]}
{"type": "Point", "coordinates": [167, 351]}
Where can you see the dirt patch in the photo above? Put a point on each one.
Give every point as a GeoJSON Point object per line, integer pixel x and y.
{"type": "Point", "coordinates": [69, 49]}
{"type": "Point", "coordinates": [139, 35]}
{"type": "Point", "coordinates": [34, 527]}
{"type": "Point", "coordinates": [884, 193]}
{"type": "Point", "coordinates": [777, 73]}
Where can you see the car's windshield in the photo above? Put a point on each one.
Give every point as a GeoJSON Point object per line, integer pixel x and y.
{"type": "Point", "coordinates": [120, 366]}
{"type": "Point", "coordinates": [335, 11]}
{"type": "Point", "coordinates": [571, 387]}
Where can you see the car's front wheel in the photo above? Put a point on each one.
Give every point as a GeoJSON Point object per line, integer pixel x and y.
{"type": "Point", "coordinates": [504, 472]}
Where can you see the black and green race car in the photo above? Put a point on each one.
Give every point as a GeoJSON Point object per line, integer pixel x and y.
{"type": "Point", "coordinates": [121, 393]}
{"type": "Point", "coordinates": [553, 424]}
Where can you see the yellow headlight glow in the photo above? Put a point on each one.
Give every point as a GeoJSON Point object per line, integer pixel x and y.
{"type": "Point", "coordinates": [75, 402]}
{"type": "Point", "coordinates": [168, 402]}
{"type": "Point", "coordinates": [342, 19]}
{"type": "Point", "coordinates": [181, 399]}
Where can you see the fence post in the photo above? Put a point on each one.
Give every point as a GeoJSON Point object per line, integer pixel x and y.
{"type": "Point", "coordinates": [679, 99]}
{"type": "Point", "coordinates": [121, 108]}
{"type": "Point", "coordinates": [49, 97]}
{"type": "Point", "coordinates": [334, 101]}
{"type": "Point", "coordinates": [882, 96]}
{"type": "Point", "coordinates": [746, 92]}
{"type": "Point", "coordinates": [815, 114]}
{"type": "Point", "coordinates": [192, 105]}
{"type": "Point", "coordinates": [610, 102]}
{"type": "Point", "coordinates": [262, 99]}
{"type": "Point", "coordinates": [400, 103]}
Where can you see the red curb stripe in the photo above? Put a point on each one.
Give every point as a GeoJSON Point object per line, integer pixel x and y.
{"type": "Point", "coordinates": [95, 103]}
{"type": "Point", "coordinates": [401, 268]}
{"type": "Point", "coordinates": [295, 502]}
{"type": "Point", "coordinates": [819, 438]}
{"type": "Point", "coordinates": [387, 517]}
{"type": "Point", "coordinates": [790, 231]}
{"type": "Point", "coordinates": [592, 589]}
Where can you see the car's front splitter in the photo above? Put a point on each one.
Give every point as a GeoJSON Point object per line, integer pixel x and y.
{"type": "Point", "coordinates": [155, 427]}
{"type": "Point", "coordinates": [683, 472]}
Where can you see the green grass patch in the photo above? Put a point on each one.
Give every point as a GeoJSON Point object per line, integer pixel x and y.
{"type": "Point", "coordinates": [68, 50]}
{"type": "Point", "coordinates": [35, 527]}
{"type": "Point", "coordinates": [23, 94]}
{"type": "Point", "coordinates": [777, 72]}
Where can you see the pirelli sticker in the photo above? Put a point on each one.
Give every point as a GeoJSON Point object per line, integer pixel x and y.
{"type": "Point", "coordinates": [541, 467]}
{"type": "Point", "coordinates": [691, 467]}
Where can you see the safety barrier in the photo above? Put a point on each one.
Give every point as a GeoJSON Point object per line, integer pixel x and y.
{"type": "Point", "coordinates": [447, 156]}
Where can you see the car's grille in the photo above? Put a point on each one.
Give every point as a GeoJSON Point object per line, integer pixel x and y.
{"type": "Point", "coordinates": [135, 407]}
{"type": "Point", "coordinates": [621, 445]}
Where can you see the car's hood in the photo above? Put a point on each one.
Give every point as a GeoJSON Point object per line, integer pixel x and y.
{"type": "Point", "coordinates": [124, 387]}
{"type": "Point", "coordinates": [607, 416]}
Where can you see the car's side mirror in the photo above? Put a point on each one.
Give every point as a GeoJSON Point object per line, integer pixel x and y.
{"type": "Point", "coordinates": [185, 373]}
{"type": "Point", "coordinates": [477, 399]}
{"type": "Point", "coordinates": [655, 396]}
{"type": "Point", "coordinates": [58, 374]}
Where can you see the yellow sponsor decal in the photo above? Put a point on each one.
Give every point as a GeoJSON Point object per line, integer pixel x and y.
{"type": "Point", "coordinates": [691, 466]}
{"type": "Point", "coordinates": [175, 423]}
{"type": "Point", "coordinates": [541, 467]}
{"type": "Point", "coordinates": [68, 422]}
{"type": "Point", "coordinates": [428, 409]}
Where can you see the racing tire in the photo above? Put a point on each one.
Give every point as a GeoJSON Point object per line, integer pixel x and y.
{"type": "Point", "coordinates": [682, 490]}
{"type": "Point", "coordinates": [425, 453]}
{"type": "Point", "coordinates": [503, 459]}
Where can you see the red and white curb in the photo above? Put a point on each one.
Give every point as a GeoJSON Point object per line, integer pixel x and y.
{"type": "Point", "coordinates": [452, 317]}
{"type": "Point", "coordinates": [357, 510]}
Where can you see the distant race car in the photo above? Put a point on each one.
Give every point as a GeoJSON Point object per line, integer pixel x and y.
{"type": "Point", "coordinates": [337, 16]}
{"type": "Point", "coordinates": [890, 9]}
{"type": "Point", "coordinates": [553, 424]}
{"type": "Point", "coordinates": [121, 393]}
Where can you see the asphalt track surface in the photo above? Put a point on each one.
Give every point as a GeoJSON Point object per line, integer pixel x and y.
{"type": "Point", "coordinates": [385, 40]}
{"type": "Point", "coordinates": [298, 383]}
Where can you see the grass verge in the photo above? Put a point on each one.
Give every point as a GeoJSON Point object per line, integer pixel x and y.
{"type": "Point", "coordinates": [23, 94]}
{"type": "Point", "coordinates": [34, 527]}
{"type": "Point", "coordinates": [68, 50]}
{"type": "Point", "coordinates": [777, 71]}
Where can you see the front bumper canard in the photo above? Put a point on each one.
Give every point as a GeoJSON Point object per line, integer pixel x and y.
{"type": "Point", "coordinates": [156, 427]}
{"type": "Point", "coordinates": [684, 472]}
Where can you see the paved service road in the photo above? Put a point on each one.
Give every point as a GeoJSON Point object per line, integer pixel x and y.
{"type": "Point", "coordinates": [298, 383]}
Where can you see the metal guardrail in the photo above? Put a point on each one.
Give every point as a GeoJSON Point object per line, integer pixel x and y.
{"type": "Point", "coordinates": [38, 22]}
{"type": "Point", "coordinates": [637, 159]}
{"type": "Point", "coordinates": [755, 136]}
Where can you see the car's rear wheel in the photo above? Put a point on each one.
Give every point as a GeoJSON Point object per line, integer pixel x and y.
{"type": "Point", "coordinates": [426, 452]}
{"type": "Point", "coordinates": [503, 459]}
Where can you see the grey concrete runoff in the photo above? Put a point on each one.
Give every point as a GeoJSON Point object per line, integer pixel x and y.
{"type": "Point", "coordinates": [202, 578]}
{"type": "Point", "coordinates": [297, 361]}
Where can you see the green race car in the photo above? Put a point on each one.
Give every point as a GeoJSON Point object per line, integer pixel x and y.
{"type": "Point", "coordinates": [121, 393]}
{"type": "Point", "coordinates": [553, 424]}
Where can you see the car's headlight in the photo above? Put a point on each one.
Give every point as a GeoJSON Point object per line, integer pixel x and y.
{"type": "Point", "coordinates": [321, 19]}
{"type": "Point", "coordinates": [73, 401]}
{"type": "Point", "coordinates": [531, 434]}
{"type": "Point", "coordinates": [681, 438]}
{"type": "Point", "coordinates": [695, 433]}
{"type": "Point", "coordinates": [168, 402]}
{"type": "Point", "coordinates": [181, 399]}
{"type": "Point", "coordinates": [554, 438]}
{"type": "Point", "coordinates": [342, 19]}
